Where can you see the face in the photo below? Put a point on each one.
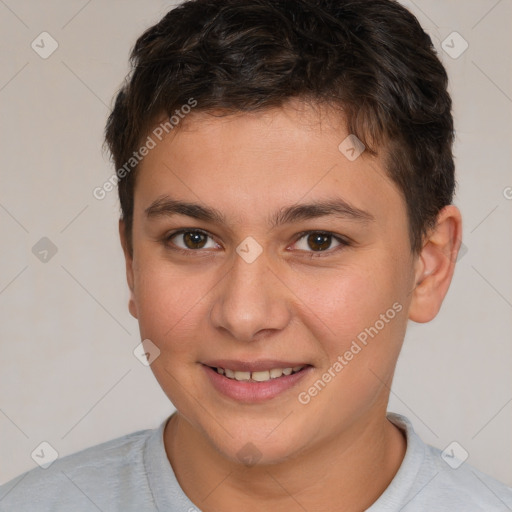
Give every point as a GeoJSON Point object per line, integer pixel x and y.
{"type": "Point", "coordinates": [258, 247]}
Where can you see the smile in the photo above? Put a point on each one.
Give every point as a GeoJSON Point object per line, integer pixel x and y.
{"type": "Point", "coordinates": [254, 382]}
{"type": "Point", "coordinates": [258, 376]}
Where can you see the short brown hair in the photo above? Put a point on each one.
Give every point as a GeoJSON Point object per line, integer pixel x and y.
{"type": "Point", "coordinates": [371, 58]}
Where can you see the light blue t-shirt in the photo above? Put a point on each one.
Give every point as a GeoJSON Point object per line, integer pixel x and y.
{"type": "Point", "coordinates": [132, 473]}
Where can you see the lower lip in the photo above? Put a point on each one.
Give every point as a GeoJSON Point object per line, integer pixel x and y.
{"type": "Point", "coordinates": [251, 391]}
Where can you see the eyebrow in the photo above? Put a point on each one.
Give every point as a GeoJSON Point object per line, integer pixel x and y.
{"type": "Point", "coordinates": [165, 206]}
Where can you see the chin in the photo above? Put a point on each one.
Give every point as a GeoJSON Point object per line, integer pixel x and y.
{"type": "Point", "coordinates": [260, 442]}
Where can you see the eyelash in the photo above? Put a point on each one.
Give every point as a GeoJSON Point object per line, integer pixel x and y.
{"type": "Point", "coordinates": [312, 254]}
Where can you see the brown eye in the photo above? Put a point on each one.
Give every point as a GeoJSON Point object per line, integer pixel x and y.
{"type": "Point", "coordinates": [191, 240]}
{"type": "Point", "coordinates": [194, 240]}
{"type": "Point", "coordinates": [319, 241]}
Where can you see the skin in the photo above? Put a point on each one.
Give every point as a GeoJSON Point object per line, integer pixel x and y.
{"type": "Point", "coordinates": [291, 303]}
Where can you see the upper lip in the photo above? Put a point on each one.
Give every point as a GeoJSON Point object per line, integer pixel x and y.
{"type": "Point", "coordinates": [252, 366]}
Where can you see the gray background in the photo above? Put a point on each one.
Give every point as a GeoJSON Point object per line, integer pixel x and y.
{"type": "Point", "coordinates": [68, 375]}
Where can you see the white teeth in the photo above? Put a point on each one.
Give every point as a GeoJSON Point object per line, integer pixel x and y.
{"type": "Point", "coordinates": [242, 375]}
{"type": "Point", "coordinates": [260, 376]}
{"type": "Point", "coordinates": [276, 372]}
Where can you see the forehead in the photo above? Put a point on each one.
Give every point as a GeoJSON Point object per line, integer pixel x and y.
{"type": "Point", "coordinates": [248, 163]}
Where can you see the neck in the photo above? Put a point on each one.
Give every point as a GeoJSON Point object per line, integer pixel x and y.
{"type": "Point", "coordinates": [353, 468]}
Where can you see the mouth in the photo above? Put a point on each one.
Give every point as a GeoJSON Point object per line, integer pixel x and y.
{"type": "Point", "coordinates": [256, 381]}
{"type": "Point", "coordinates": [257, 376]}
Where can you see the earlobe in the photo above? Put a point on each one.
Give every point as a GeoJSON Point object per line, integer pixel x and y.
{"type": "Point", "coordinates": [435, 265]}
{"type": "Point", "coordinates": [132, 305]}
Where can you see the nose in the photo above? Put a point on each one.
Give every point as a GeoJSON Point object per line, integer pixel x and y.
{"type": "Point", "coordinates": [250, 302]}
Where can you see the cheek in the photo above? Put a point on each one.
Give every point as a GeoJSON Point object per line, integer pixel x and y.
{"type": "Point", "coordinates": [359, 322]}
{"type": "Point", "coordinates": [345, 302]}
{"type": "Point", "coordinates": [168, 303]}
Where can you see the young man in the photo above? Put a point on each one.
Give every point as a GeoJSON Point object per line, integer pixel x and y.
{"type": "Point", "coordinates": [285, 176]}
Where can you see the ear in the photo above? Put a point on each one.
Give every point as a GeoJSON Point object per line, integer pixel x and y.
{"type": "Point", "coordinates": [435, 265]}
{"type": "Point", "coordinates": [132, 305]}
